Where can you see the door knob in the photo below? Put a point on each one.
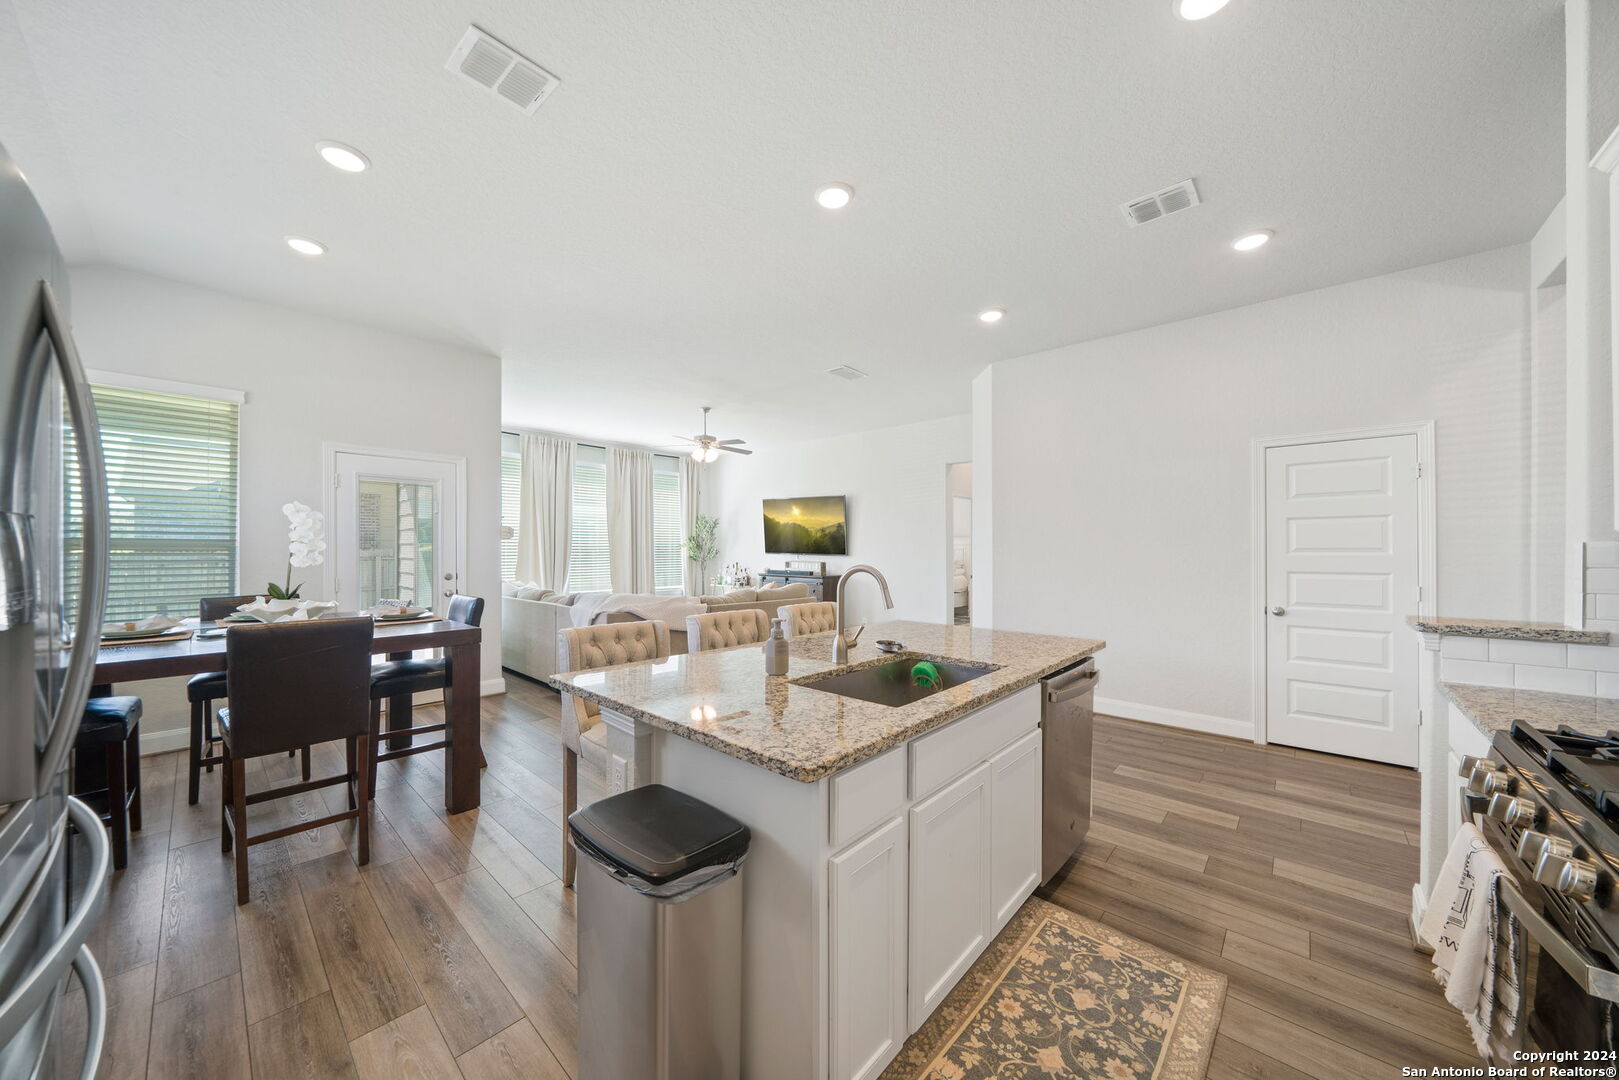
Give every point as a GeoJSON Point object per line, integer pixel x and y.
{"type": "Point", "coordinates": [449, 592]}
{"type": "Point", "coordinates": [1278, 610]}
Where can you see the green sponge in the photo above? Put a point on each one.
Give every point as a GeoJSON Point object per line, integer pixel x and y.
{"type": "Point", "coordinates": [927, 676]}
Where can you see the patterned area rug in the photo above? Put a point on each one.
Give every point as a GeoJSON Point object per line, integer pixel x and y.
{"type": "Point", "coordinates": [1057, 995]}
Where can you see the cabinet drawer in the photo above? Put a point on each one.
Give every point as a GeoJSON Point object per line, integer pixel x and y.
{"type": "Point", "coordinates": [866, 794]}
{"type": "Point", "coordinates": [940, 756]}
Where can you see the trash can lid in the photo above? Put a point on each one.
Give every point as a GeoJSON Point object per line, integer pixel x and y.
{"type": "Point", "coordinates": [657, 833]}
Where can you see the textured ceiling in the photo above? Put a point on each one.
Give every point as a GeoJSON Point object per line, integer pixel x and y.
{"type": "Point", "coordinates": [646, 243]}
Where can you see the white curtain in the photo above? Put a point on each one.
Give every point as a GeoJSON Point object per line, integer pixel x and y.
{"type": "Point", "coordinates": [545, 511]}
{"type": "Point", "coordinates": [689, 490]}
{"type": "Point", "coordinates": [629, 519]}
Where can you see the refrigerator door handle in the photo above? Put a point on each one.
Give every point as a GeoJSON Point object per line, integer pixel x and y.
{"type": "Point", "coordinates": [92, 578]}
{"type": "Point", "coordinates": [95, 1010]}
{"type": "Point", "coordinates": [33, 989]}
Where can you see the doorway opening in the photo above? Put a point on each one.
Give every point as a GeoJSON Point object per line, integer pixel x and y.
{"type": "Point", "coordinates": [959, 587]}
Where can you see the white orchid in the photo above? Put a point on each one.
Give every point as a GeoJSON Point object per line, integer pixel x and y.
{"type": "Point", "coordinates": [306, 540]}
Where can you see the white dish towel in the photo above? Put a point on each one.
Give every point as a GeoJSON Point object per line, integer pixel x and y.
{"type": "Point", "coordinates": [1474, 937]}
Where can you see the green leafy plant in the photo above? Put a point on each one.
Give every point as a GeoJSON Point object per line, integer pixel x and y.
{"type": "Point", "coordinates": [703, 544]}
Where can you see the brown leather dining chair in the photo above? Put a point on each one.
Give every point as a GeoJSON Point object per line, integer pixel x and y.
{"type": "Point", "coordinates": [292, 685]}
{"type": "Point", "coordinates": [202, 691]}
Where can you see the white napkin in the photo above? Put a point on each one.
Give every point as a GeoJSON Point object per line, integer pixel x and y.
{"type": "Point", "coordinates": [1465, 922]}
{"type": "Point", "coordinates": [274, 611]}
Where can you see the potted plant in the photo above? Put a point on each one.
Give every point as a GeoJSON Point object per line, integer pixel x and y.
{"type": "Point", "coordinates": [306, 540]}
{"type": "Point", "coordinates": [703, 544]}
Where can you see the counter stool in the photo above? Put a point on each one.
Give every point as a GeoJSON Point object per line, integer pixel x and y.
{"type": "Point", "coordinates": [112, 727]}
{"type": "Point", "coordinates": [202, 691]}
{"type": "Point", "coordinates": [293, 685]}
{"type": "Point", "coordinates": [801, 620]}
{"type": "Point", "coordinates": [726, 629]}
{"type": "Point", "coordinates": [396, 680]}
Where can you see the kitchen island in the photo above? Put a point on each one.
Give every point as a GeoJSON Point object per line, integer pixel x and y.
{"type": "Point", "coordinates": [890, 842]}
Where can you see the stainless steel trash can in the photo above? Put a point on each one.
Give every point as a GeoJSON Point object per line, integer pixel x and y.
{"type": "Point", "coordinates": [660, 937]}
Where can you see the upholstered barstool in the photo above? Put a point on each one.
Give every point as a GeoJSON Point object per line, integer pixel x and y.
{"type": "Point", "coordinates": [802, 619]}
{"type": "Point", "coordinates": [579, 649]}
{"type": "Point", "coordinates": [726, 629]}
{"type": "Point", "coordinates": [111, 728]}
{"type": "Point", "coordinates": [397, 680]}
{"type": "Point", "coordinates": [202, 691]}
{"type": "Point", "coordinates": [292, 685]}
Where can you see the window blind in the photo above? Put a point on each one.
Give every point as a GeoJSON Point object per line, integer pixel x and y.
{"type": "Point", "coordinates": [511, 484]}
{"type": "Point", "coordinates": [588, 567]}
{"type": "Point", "coordinates": [668, 558]}
{"type": "Point", "coordinates": [172, 482]}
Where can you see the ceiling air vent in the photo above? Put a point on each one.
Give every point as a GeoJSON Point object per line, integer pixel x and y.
{"type": "Point", "coordinates": [481, 59]}
{"type": "Point", "coordinates": [1171, 200]}
{"type": "Point", "coordinates": [844, 371]}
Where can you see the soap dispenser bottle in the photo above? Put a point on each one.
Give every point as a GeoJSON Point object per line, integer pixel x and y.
{"type": "Point", "coordinates": [776, 650]}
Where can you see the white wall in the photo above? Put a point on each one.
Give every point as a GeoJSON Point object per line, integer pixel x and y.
{"type": "Point", "coordinates": [1120, 468]}
{"type": "Point", "coordinates": [308, 379]}
{"type": "Point", "coordinates": [899, 508]}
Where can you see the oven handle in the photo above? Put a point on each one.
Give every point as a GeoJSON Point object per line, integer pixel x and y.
{"type": "Point", "coordinates": [1596, 981]}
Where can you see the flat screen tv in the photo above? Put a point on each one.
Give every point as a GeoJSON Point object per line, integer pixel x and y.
{"type": "Point", "coordinates": [818, 526]}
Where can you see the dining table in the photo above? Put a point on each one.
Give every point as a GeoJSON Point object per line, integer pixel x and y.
{"type": "Point", "coordinates": [193, 655]}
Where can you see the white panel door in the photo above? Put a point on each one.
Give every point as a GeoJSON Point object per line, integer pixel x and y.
{"type": "Point", "coordinates": [949, 894]}
{"type": "Point", "coordinates": [395, 530]}
{"type": "Point", "coordinates": [866, 884]}
{"type": "Point", "coordinates": [1341, 538]}
{"type": "Point", "coordinates": [1015, 815]}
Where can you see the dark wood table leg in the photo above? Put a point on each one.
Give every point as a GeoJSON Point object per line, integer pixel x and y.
{"type": "Point", "coordinates": [399, 707]}
{"type": "Point", "coordinates": [462, 756]}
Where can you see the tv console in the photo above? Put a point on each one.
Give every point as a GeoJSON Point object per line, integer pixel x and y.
{"type": "Point", "coordinates": [821, 586]}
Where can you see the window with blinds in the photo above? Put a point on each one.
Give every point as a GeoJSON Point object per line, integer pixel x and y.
{"type": "Point", "coordinates": [589, 569]}
{"type": "Point", "coordinates": [511, 482]}
{"type": "Point", "coordinates": [171, 477]}
{"type": "Point", "coordinates": [668, 555]}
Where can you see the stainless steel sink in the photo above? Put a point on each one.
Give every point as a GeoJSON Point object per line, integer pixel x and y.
{"type": "Point", "coordinates": [890, 683]}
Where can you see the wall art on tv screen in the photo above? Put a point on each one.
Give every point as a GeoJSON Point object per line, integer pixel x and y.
{"type": "Point", "coordinates": [817, 526]}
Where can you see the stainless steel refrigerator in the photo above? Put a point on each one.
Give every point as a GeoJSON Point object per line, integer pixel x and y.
{"type": "Point", "coordinates": [53, 578]}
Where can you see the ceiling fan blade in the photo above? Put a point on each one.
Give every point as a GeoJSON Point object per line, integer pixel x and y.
{"type": "Point", "coordinates": [732, 442]}
{"type": "Point", "coordinates": [682, 438]}
{"type": "Point", "coordinates": [735, 450]}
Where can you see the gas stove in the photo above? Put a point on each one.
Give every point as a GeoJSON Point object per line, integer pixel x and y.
{"type": "Point", "coordinates": [1548, 803]}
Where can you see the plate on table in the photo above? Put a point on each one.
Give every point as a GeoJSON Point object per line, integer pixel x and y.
{"type": "Point", "coordinates": [238, 617]}
{"type": "Point", "coordinates": [122, 632]}
{"type": "Point", "coordinates": [402, 615]}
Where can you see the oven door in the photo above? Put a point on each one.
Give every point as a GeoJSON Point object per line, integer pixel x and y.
{"type": "Point", "coordinates": [1569, 989]}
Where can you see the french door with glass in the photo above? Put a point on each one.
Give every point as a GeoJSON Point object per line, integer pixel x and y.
{"type": "Point", "coordinates": [396, 525]}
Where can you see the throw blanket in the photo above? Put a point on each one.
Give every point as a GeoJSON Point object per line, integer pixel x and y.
{"type": "Point", "coordinates": [671, 609]}
{"type": "Point", "coordinates": [1474, 937]}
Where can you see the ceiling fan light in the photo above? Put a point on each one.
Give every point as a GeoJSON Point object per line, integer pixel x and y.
{"type": "Point", "coordinates": [711, 454]}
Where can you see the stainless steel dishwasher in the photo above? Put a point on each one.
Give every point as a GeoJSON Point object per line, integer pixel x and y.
{"type": "Point", "coordinates": [1066, 718]}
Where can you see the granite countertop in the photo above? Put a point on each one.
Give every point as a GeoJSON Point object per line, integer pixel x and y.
{"type": "Point", "coordinates": [1494, 708]}
{"type": "Point", "coordinates": [724, 700]}
{"type": "Point", "coordinates": [1507, 628]}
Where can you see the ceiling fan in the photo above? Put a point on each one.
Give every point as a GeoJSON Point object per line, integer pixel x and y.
{"type": "Point", "coordinates": [706, 448]}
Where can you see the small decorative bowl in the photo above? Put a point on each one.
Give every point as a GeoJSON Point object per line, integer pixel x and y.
{"type": "Point", "coordinates": [889, 646]}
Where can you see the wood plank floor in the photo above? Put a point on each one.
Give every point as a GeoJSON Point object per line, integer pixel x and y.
{"type": "Point", "coordinates": [452, 954]}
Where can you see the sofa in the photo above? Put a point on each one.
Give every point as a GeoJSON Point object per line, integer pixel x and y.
{"type": "Point", "coordinates": [530, 618]}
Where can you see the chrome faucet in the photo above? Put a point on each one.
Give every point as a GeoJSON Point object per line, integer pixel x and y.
{"type": "Point", "coordinates": [840, 644]}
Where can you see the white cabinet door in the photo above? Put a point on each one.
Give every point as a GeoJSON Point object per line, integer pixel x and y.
{"type": "Point", "coordinates": [866, 883]}
{"type": "Point", "coordinates": [1015, 823]}
{"type": "Point", "coordinates": [949, 901]}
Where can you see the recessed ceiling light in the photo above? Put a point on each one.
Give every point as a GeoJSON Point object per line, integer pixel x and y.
{"type": "Point", "coordinates": [992, 315]}
{"type": "Point", "coordinates": [1253, 241]}
{"type": "Point", "coordinates": [1193, 10]}
{"type": "Point", "coordinates": [834, 196]}
{"type": "Point", "coordinates": [305, 246]}
{"type": "Point", "coordinates": [343, 157]}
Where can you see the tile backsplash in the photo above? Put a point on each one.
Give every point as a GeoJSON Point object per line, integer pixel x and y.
{"type": "Point", "coordinates": [1545, 665]}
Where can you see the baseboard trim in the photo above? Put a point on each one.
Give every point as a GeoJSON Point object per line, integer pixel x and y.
{"type": "Point", "coordinates": [491, 687]}
{"type": "Point", "coordinates": [1178, 718]}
